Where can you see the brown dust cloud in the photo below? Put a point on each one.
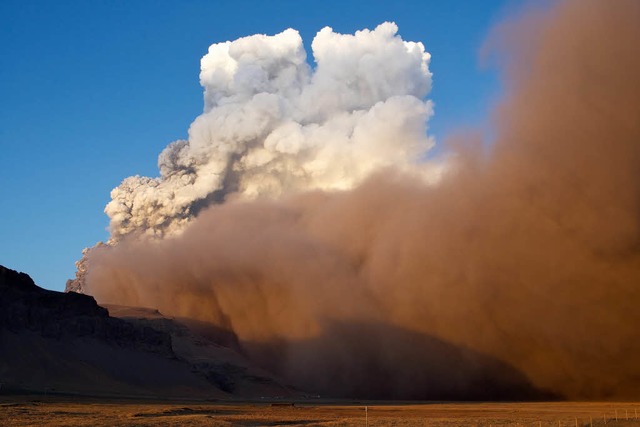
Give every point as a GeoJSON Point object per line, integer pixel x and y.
{"type": "Point", "coordinates": [516, 275]}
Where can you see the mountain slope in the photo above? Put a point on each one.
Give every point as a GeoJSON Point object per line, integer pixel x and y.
{"type": "Point", "coordinates": [66, 342]}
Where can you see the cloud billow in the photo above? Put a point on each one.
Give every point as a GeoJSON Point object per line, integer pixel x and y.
{"type": "Point", "coordinates": [359, 277]}
{"type": "Point", "coordinates": [273, 125]}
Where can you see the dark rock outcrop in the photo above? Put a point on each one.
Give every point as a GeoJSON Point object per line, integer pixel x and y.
{"type": "Point", "coordinates": [66, 342]}
{"type": "Point", "coordinates": [26, 306]}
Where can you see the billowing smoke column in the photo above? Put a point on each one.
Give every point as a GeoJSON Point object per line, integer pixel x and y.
{"type": "Point", "coordinates": [271, 125]}
{"type": "Point", "coordinates": [515, 275]}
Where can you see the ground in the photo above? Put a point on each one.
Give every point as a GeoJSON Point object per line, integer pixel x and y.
{"type": "Point", "coordinates": [73, 411]}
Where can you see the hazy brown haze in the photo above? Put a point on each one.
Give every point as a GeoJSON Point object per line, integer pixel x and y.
{"type": "Point", "coordinates": [528, 250]}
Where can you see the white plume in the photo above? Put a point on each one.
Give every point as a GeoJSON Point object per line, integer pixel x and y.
{"type": "Point", "coordinates": [272, 124]}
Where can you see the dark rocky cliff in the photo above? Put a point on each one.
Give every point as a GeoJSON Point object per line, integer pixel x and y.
{"type": "Point", "coordinates": [26, 306]}
{"type": "Point", "coordinates": [67, 343]}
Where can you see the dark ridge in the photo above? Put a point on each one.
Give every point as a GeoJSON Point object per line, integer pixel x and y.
{"type": "Point", "coordinates": [26, 306]}
{"type": "Point", "coordinates": [11, 279]}
{"type": "Point", "coordinates": [66, 343]}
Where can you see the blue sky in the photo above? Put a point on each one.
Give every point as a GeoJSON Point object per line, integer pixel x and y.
{"type": "Point", "coordinates": [91, 91]}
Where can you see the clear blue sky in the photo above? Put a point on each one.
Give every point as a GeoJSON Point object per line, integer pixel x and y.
{"type": "Point", "coordinates": [91, 91]}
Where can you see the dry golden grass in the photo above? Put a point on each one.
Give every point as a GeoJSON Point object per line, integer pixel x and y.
{"type": "Point", "coordinates": [56, 411]}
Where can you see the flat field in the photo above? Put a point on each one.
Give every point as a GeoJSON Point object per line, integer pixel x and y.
{"type": "Point", "coordinates": [67, 411]}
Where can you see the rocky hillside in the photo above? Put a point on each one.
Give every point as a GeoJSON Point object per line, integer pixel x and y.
{"type": "Point", "coordinates": [65, 342]}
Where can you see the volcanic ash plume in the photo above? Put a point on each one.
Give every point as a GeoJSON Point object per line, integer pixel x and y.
{"type": "Point", "coordinates": [517, 272]}
{"type": "Point", "coordinates": [272, 125]}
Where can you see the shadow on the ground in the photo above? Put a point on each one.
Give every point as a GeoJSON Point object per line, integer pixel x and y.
{"type": "Point", "coordinates": [381, 361]}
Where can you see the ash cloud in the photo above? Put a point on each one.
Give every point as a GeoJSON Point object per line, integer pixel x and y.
{"type": "Point", "coordinates": [526, 253]}
{"type": "Point", "coordinates": [272, 125]}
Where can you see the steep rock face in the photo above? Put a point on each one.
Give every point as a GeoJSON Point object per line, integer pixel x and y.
{"type": "Point", "coordinates": [65, 342]}
{"type": "Point", "coordinates": [12, 280]}
{"type": "Point", "coordinates": [25, 306]}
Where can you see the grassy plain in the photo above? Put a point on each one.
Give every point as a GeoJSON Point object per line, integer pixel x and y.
{"type": "Point", "coordinates": [67, 411]}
